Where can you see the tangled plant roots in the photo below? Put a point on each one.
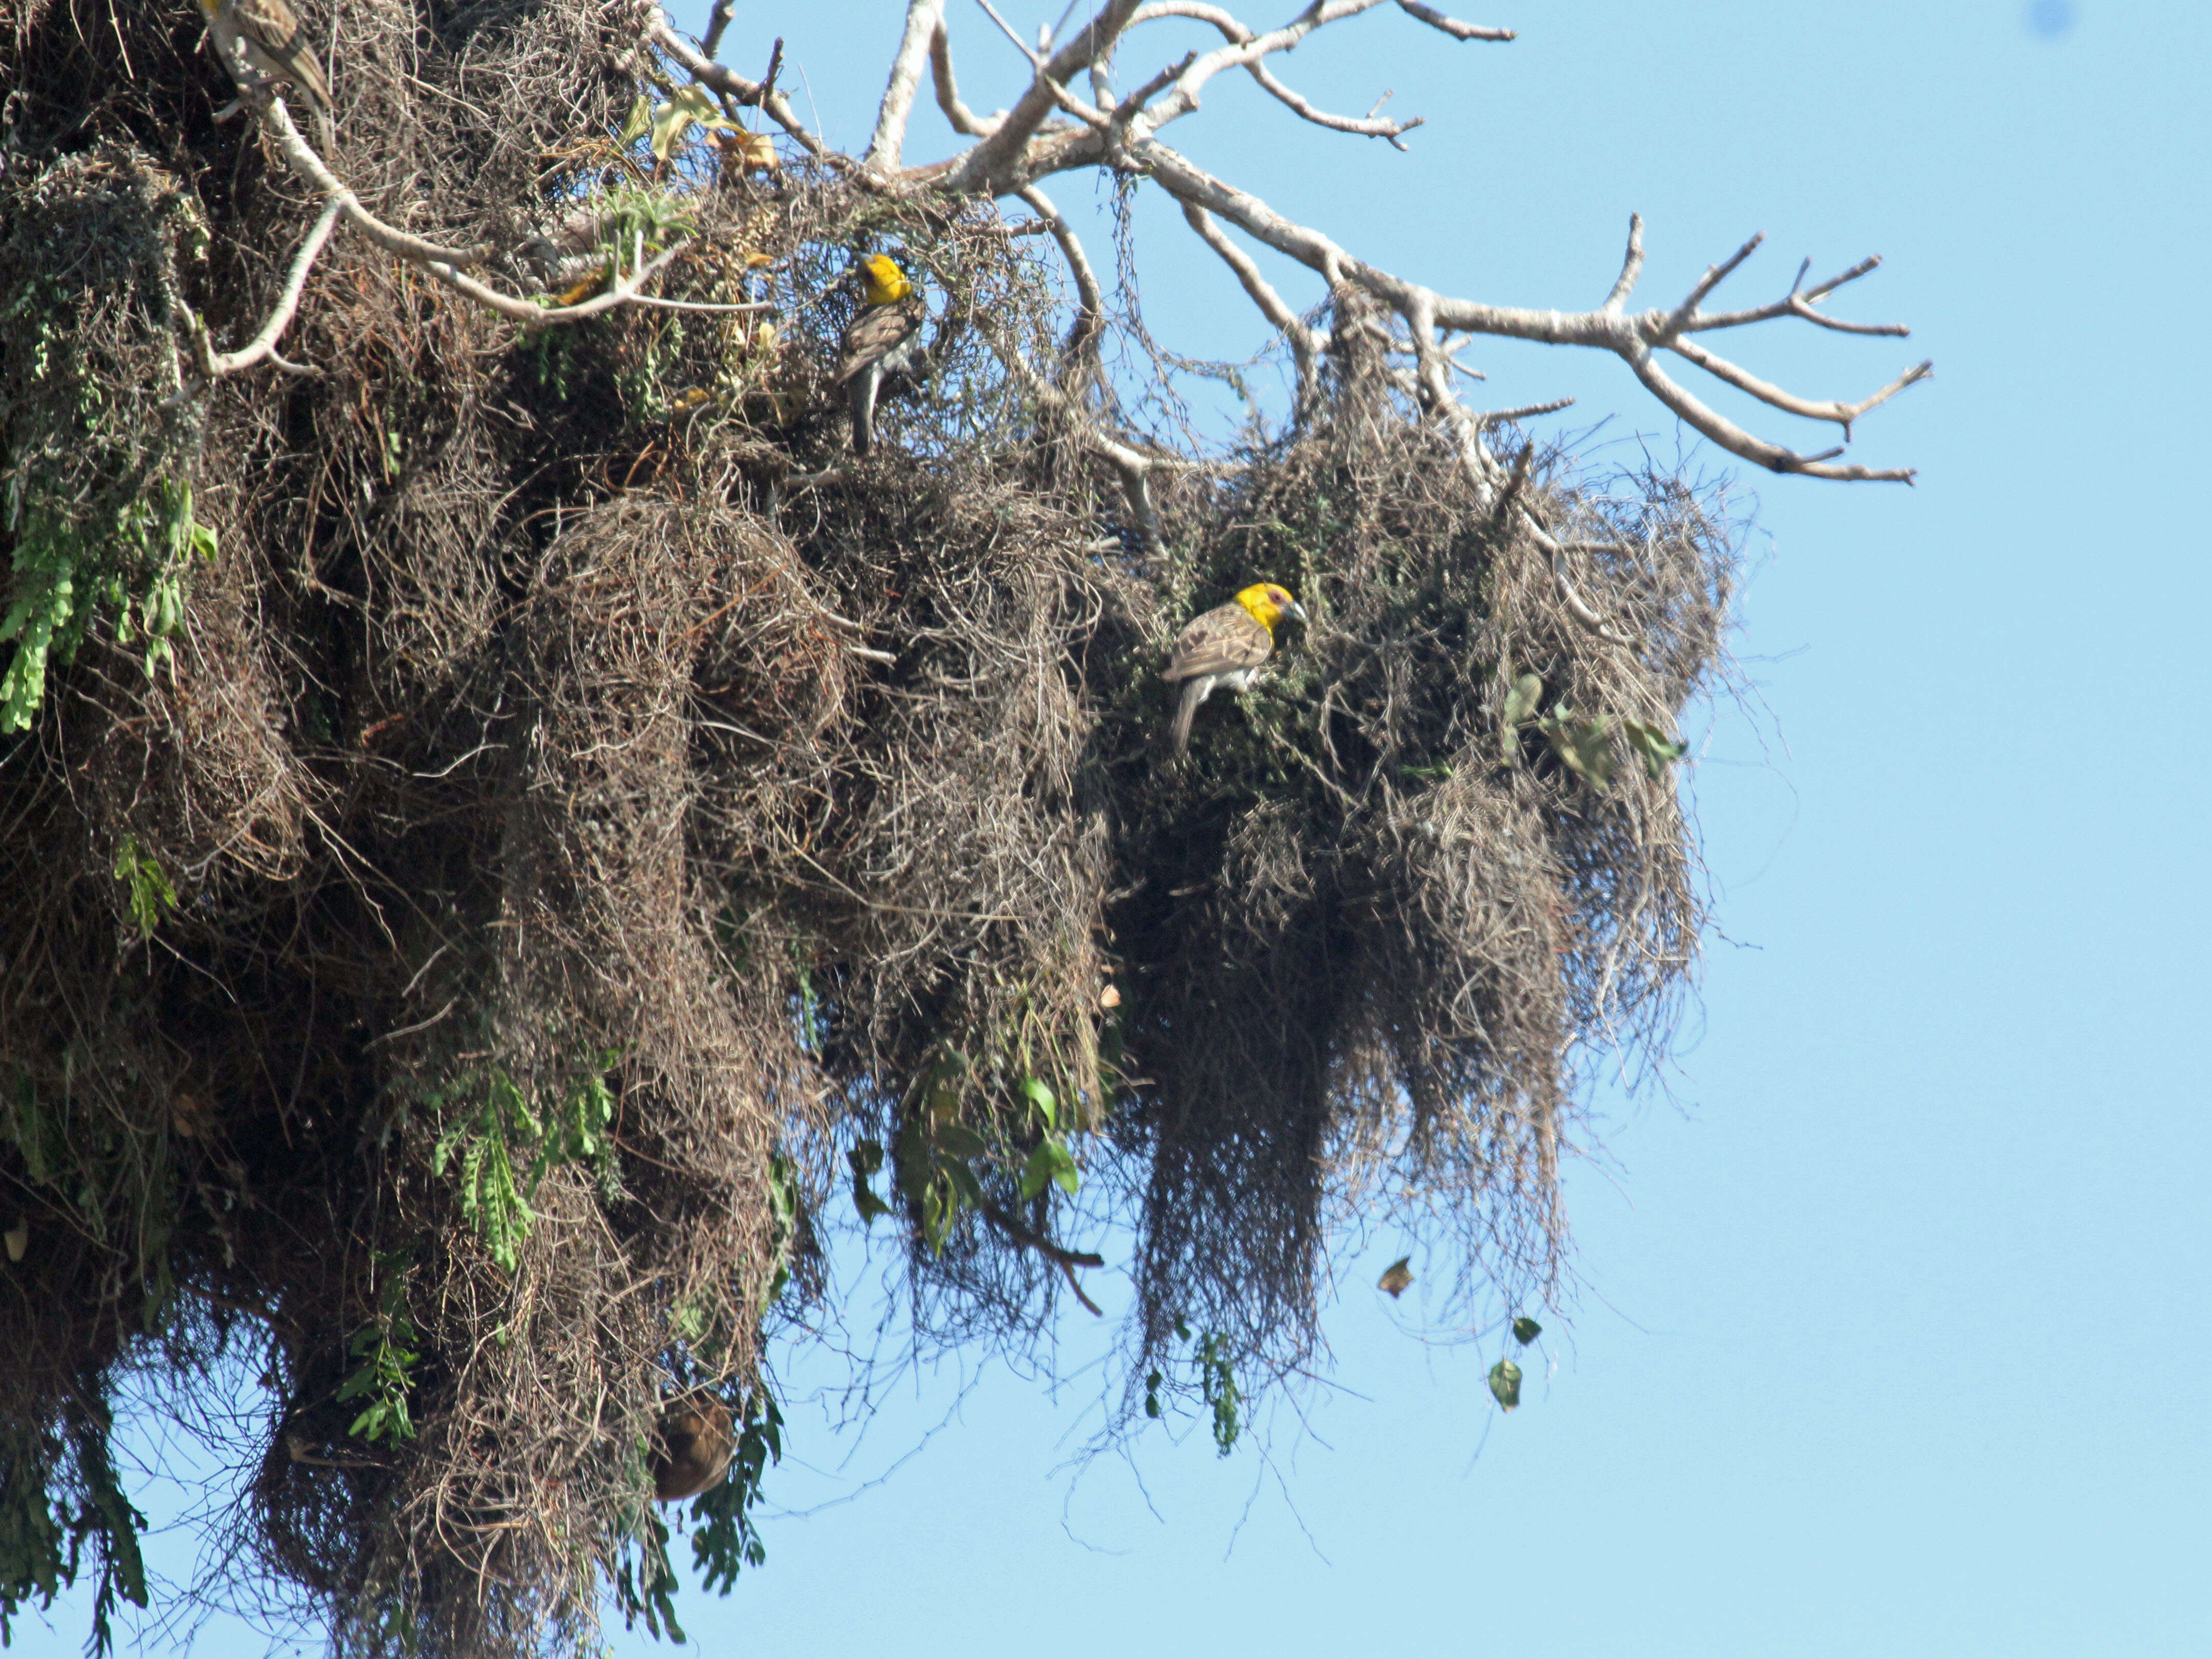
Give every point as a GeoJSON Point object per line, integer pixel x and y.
{"type": "Point", "coordinates": [581, 834]}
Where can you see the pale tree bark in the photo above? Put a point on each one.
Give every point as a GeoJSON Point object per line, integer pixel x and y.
{"type": "Point", "coordinates": [1070, 116]}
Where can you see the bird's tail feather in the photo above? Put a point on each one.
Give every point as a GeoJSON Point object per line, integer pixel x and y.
{"type": "Point", "coordinates": [863, 394]}
{"type": "Point", "coordinates": [1194, 692]}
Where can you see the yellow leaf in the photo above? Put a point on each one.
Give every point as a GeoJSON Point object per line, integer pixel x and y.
{"type": "Point", "coordinates": [672, 119]}
{"type": "Point", "coordinates": [751, 150]}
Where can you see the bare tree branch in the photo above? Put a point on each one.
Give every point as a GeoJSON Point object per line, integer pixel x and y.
{"type": "Point", "coordinates": [1842, 414]}
{"type": "Point", "coordinates": [924, 21]}
{"type": "Point", "coordinates": [1090, 300]}
{"type": "Point", "coordinates": [1631, 338]}
{"type": "Point", "coordinates": [1526, 412]}
{"type": "Point", "coordinates": [1067, 1260]}
{"type": "Point", "coordinates": [1495, 491]}
{"type": "Point", "coordinates": [718, 22]}
{"type": "Point", "coordinates": [964, 120]}
{"type": "Point", "coordinates": [1238, 33]}
{"type": "Point", "coordinates": [751, 93]}
{"type": "Point", "coordinates": [1304, 341]}
{"type": "Point", "coordinates": [1632, 267]}
{"type": "Point", "coordinates": [1799, 302]}
{"type": "Point", "coordinates": [214, 364]}
{"type": "Point", "coordinates": [444, 264]}
{"type": "Point", "coordinates": [1012, 151]}
{"type": "Point", "coordinates": [1452, 26]}
{"type": "Point", "coordinates": [1715, 276]}
{"type": "Point", "coordinates": [989, 164]}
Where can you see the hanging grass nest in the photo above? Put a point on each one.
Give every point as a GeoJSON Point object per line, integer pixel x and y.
{"type": "Point", "coordinates": [514, 837]}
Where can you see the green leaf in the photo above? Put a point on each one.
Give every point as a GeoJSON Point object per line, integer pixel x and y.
{"type": "Point", "coordinates": [1526, 1330]}
{"type": "Point", "coordinates": [963, 1182]}
{"type": "Point", "coordinates": [637, 123]}
{"type": "Point", "coordinates": [959, 1141]}
{"type": "Point", "coordinates": [912, 1160]}
{"type": "Point", "coordinates": [1521, 702]}
{"type": "Point", "coordinates": [1037, 1172]}
{"type": "Point", "coordinates": [151, 896]}
{"type": "Point", "coordinates": [1063, 1169]}
{"type": "Point", "coordinates": [1586, 746]}
{"type": "Point", "coordinates": [1505, 1383]}
{"type": "Point", "coordinates": [935, 1217]}
{"type": "Point", "coordinates": [1652, 742]}
{"type": "Point", "coordinates": [866, 1159]}
{"type": "Point", "coordinates": [1042, 1098]}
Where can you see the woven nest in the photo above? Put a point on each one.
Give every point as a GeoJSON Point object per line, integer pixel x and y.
{"type": "Point", "coordinates": [571, 762]}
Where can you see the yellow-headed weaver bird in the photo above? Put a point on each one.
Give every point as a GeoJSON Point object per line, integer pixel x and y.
{"type": "Point", "coordinates": [1225, 646]}
{"type": "Point", "coordinates": [263, 37]}
{"type": "Point", "coordinates": [882, 339]}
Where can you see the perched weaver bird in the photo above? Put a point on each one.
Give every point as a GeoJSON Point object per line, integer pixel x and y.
{"type": "Point", "coordinates": [261, 42]}
{"type": "Point", "coordinates": [1225, 646]}
{"type": "Point", "coordinates": [692, 1447]}
{"type": "Point", "coordinates": [883, 339]}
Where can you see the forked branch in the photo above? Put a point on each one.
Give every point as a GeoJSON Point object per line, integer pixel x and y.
{"type": "Point", "coordinates": [447, 265]}
{"type": "Point", "coordinates": [1053, 128]}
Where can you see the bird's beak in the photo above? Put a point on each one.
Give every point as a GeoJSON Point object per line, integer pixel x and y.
{"type": "Point", "coordinates": [1297, 610]}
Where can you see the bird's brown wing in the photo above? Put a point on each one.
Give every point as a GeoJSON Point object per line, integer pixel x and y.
{"type": "Point", "coordinates": [273, 25]}
{"type": "Point", "coordinates": [876, 332]}
{"type": "Point", "coordinates": [1227, 638]}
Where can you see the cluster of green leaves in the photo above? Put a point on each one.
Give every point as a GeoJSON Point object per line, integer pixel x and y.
{"type": "Point", "coordinates": [1216, 1380]}
{"type": "Point", "coordinates": [936, 1156]}
{"type": "Point", "coordinates": [1505, 1375]}
{"type": "Point", "coordinates": [387, 1347]}
{"type": "Point", "coordinates": [813, 1017]}
{"type": "Point", "coordinates": [1217, 1386]}
{"type": "Point", "coordinates": [152, 898]}
{"type": "Point", "coordinates": [42, 1543]}
{"type": "Point", "coordinates": [500, 1150]}
{"type": "Point", "coordinates": [645, 1587]}
{"type": "Point", "coordinates": [784, 1219]}
{"type": "Point", "coordinates": [1585, 745]}
{"type": "Point", "coordinates": [727, 1540]}
{"type": "Point", "coordinates": [69, 570]}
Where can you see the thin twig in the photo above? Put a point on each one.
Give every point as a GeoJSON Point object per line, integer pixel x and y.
{"type": "Point", "coordinates": [1067, 1260]}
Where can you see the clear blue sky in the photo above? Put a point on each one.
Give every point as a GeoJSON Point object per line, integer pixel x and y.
{"type": "Point", "coordinates": [1898, 1337]}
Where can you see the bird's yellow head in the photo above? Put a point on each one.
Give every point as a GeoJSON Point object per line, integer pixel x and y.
{"type": "Point", "coordinates": [210, 6]}
{"type": "Point", "coordinates": [882, 280]}
{"type": "Point", "coordinates": [1269, 604]}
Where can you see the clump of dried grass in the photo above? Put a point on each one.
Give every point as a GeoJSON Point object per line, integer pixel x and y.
{"type": "Point", "coordinates": [566, 713]}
